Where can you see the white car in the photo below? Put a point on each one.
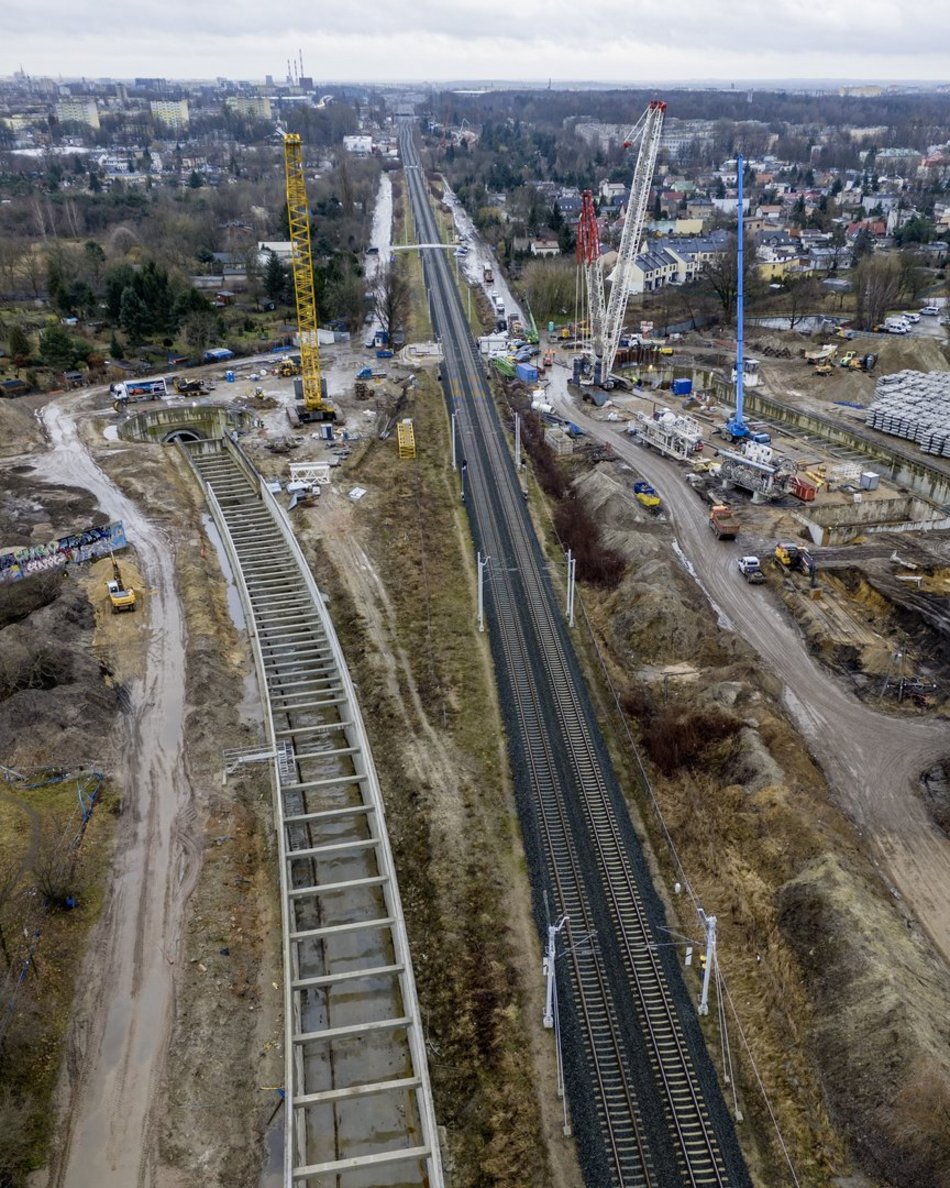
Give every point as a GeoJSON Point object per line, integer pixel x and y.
{"type": "Point", "coordinates": [930, 311]}
{"type": "Point", "coordinates": [913, 318]}
{"type": "Point", "coordinates": [897, 328]}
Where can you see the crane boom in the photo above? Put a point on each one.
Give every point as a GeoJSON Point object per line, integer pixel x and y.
{"type": "Point", "coordinates": [588, 258]}
{"type": "Point", "coordinates": [315, 405]}
{"type": "Point", "coordinates": [648, 129]}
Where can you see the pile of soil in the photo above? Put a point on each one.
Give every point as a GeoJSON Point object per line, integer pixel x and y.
{"type": "Point", "coordinates": [55, 702]}
{"type": "Point", "coordinates": [880, 1029]}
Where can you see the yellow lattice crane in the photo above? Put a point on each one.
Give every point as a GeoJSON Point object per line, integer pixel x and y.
{"type": "Point", "coordinates": [315, 404]}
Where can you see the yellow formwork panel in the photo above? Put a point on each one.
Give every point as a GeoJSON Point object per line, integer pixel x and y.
{"type": "Point", "coordinates": [406, 439]}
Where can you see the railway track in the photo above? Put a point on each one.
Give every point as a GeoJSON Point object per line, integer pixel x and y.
{"type": "Point", "coordinates": [358, 1097]}
{"type": "Point", "coordinates": [644, 1098]}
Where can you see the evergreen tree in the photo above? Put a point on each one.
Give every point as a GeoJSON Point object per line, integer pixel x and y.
{"type": "Point", "coordinates": [19, 345]}
{"type": "Point", "coordinates": [275, 279]}
{"type": "Point", "coordinates": [134, 316]}
{"type": "Point", "coordinates": [58, 349]}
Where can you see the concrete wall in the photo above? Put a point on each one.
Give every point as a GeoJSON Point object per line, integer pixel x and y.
{"type": "Point", "coordinates": [905, 470]}
{"type": "Point", "coordinates": [205, 420]}
{"type": "Point", "coordinates": [842, 524]}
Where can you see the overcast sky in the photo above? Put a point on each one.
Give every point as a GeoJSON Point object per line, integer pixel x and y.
{"type": "Point", "coordinates": [625, 41]}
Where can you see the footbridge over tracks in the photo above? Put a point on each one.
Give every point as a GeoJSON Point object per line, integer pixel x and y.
{"type": "Point", "coordinates": [359, 1103]}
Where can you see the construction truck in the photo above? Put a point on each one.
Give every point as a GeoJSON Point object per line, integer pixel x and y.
{"type": "Point", "coordinates": [822, 354]}
{"type": "Point", "coordinates": [288, 368]}
{"type": "Point", "coordinates": [121, 596]}
{"type": "Point", "coordinates": [751, 570]}
{"type": "Point", "coordinates": [487, 275]}
{"type": "Point", "coordinates": [133, 391]}
{"type": "Point", "coordinates": [723, 522]}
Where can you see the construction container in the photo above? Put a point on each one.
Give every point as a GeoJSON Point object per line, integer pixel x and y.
{"type": "Point", "coordinates": [682, 387]}
{"type": "Point", "coordinates": [527, 373]}
{"type": "Point", "coordinates": [870, 480]}
{"type": "Point", "coordinates": [802, 489]}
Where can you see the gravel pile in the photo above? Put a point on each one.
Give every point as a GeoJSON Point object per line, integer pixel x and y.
{"type": "Point", "coordinates": [914, 405]}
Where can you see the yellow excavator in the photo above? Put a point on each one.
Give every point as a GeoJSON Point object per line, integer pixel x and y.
{"type": "Point", "coordinates": [287, 368]}
{"type": "Point", "coordinates": [121, 596]}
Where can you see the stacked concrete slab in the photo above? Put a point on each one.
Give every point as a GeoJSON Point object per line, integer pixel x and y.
{"type": "Point", "coordinates": [914, 405]}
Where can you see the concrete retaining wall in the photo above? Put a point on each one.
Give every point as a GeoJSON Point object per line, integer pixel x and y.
{"type": "Point", "coordinates": [842, 524]}
{"type": "Point", "coordinates": [902, 469]}
{"type": "Point", "coordinates": [204, 421]}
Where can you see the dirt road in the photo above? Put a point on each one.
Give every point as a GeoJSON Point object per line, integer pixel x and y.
{"type": "Point", "coordinates": [116, 1056]}
{"type": "Point", "coordinates": [871, 760]}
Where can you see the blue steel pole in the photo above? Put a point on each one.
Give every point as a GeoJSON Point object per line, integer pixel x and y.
{"type": "Point", "coordinates": [740, 298]}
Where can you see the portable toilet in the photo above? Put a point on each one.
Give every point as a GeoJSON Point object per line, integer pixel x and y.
{"type": "Point", "coordinates": [229, 377]}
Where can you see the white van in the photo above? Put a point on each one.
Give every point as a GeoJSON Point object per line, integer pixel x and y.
{"type": "Point", "coordinates": [930, 311]}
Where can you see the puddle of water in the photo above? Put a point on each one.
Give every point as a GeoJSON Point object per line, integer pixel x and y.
{"type": "Point", "coordinates": [235, 606]}
{"type": "Point", "coordinates": [111, 433]}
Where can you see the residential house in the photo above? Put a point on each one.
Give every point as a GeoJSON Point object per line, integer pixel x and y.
{"type": "Point", "coordinates": [545, 247]}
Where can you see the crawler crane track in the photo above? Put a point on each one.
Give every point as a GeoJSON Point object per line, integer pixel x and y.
{"type": "Point", "coordinates": [646, 1105]}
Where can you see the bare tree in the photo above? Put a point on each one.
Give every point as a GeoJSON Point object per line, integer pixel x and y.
{"type": "Point", "coordinates": [876, 285]}
{"type": "Point", "coordinates": [392, 297]}
{"type": "Point", "coordinates": [550, 286]}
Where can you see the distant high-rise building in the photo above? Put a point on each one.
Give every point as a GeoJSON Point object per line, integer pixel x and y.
{"type": "Point", "coordinates": [256, 107]}
{"type": "Point", "coordinates": [173, 113]}
{"type": "Point", "coordinates": [78, 111]}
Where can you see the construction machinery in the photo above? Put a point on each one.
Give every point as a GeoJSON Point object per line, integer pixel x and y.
{"type": "Point", "coordinates": [736, 428]}
{"type": "Point", "coordinates": [723, 522]}
{"type": "Point", "coordinates": [121, 596]}
{"type": "Point", "coordinates": [287, 368]}
{"type": "Point", "coordinates": [606, 315]}
{"type": "Point", "coordinates": [314, 405]}
{"type": "Point", "coordinates": [188, 387]}
{"type": "Point", "coordinates": [793, 557]}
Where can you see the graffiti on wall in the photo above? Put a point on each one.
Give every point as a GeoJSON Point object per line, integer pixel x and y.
{"type": "Point", "coordinates": [68, 550]}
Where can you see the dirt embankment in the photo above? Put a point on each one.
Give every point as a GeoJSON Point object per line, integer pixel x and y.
{"type": "Point", "coordinates": [840, 999]}
{"type": "Point", "coordinates": [58, 706]}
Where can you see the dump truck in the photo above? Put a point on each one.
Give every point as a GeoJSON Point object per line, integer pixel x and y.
{"type": "Point", "coordinates": [723, 522]}
{"type": "Point", "coordinates": [821, 354]}
{"type": "Point", "coordinates": [121, 596]}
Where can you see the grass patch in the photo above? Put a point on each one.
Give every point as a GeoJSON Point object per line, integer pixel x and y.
{"type": "Point", "coordinates": [42, 866]}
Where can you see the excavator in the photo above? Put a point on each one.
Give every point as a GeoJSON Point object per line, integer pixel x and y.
{"type": "Point", "coordinates": [121, 596]}
{"type": "Point", "coordinates": [287, 368]}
